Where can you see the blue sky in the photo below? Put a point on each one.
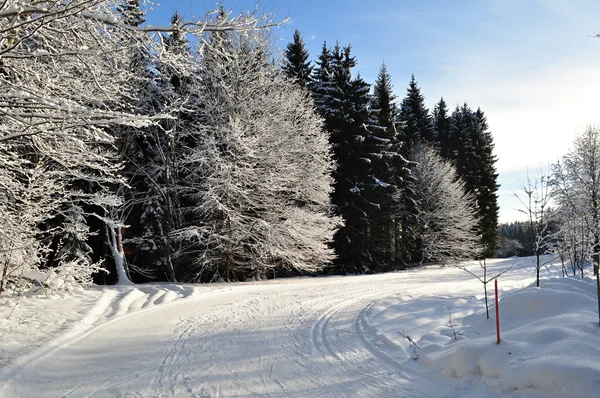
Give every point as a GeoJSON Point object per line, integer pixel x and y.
{"type": "Point", "coordinates": [531, 65]}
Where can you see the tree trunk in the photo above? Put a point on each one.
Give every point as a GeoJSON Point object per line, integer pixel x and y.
{"type": "Point", "coordinates": [116, 247]}
{"type": "Point", "coordinates": [598, 294]}
{"type": "Point", "coordinates": [169, 268]}
{"type": "Point", "coordinates": [485, 281]}
{"type": "Point", "coordinates": [537, 268]}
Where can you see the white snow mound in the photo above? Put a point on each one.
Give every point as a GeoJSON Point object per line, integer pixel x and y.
{"type": "Point", "coordinates": [550, 342]}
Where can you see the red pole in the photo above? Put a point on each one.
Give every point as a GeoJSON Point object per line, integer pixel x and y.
{"type": "Point", "coordinates": [497, 314]}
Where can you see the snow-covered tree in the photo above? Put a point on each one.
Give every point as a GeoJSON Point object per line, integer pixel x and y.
{"type": "Point", "coordinates": [447, 223]}
{"type": "Point", "coordinates": [577, 179]}
{"type": "Point", "coordinates": [66, 84]}
{"type": "Point", "coordinates": [258, 175]}
{"type": "Point", "coordinates": [415, 119]}
{"type": "Point", "coordinates": [577, 193]}
{"type": "Point", "coordinates": [415, 128]}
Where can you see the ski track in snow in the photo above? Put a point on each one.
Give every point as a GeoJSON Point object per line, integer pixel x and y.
{"type": "Point", "coordinates": [308, 337]}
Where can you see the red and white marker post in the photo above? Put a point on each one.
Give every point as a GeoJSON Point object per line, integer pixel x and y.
{"type": "Point", "coordinates": [497, 314]}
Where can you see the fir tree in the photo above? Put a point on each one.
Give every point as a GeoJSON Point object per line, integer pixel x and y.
{"type": "Point", "coordinates": [295, 64]}
{"type": "Point", "coordinates": [462, 131]}
{"type": "Point", "coordinates": [322, 84]}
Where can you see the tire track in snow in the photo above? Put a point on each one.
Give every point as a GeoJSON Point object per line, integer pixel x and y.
{"type": "Point", "coordinates": [319, 329]}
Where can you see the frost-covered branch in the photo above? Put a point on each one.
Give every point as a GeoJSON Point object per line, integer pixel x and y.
{"type": "Point", "coordinates": [535, 202]}
{"type": "Point", "coordinates": [446, 213]}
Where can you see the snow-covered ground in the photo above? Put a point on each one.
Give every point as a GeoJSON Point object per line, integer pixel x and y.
{"type": "Point", "coordinates": [309, 337]}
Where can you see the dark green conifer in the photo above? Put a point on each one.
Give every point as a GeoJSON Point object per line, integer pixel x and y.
{"type": "Point", "coordinates": [415, 128]}
{"type": "Point", "coordinates": [132, 14]}
{"type": "Point", "coordinates": [386, 160]}
{"type": "Point", "coordinates": [343, 101]}
{"type": "Point", "coordinates": [441, 129]}
{"type": "Point", "coordinates": [487, 198]}
{"type": "Point", "coordinates": [415, 119]}
{"type": "Point", "coordinates": [296, 64]}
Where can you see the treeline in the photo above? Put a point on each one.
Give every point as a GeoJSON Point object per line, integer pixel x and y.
{"type": "Point", "coordinates": [515, 239]}
{"type": "Point", "coordinates": [376, 141]}
{"type": "Point", "coordinates": [128, 149]}
{"type": "Point", "coordinates": [563, 210]}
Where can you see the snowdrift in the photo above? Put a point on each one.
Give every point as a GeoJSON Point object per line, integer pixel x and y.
{"type": "Point", "coordinates": [550, 338]}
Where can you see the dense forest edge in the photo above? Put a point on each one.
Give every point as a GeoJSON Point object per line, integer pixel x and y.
{"type": "Point", "coordinates": [194, 153]}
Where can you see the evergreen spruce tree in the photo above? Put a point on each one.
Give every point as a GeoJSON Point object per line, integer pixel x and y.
{"type": "Point", "coordinates": [132, 13]}
{"type": "Point", "coordinates": [472, 146]}
{"type": "Point", "coordinates": [387, 160]}
{"type": "Point", "coordinates": [463, 131]}
{"type": "Point", "coordinates": [415, 119]}
{"type": "Point", "coordinates": [322, 84]}
{"type": "Point", "coordinates": [295, 64]}
{"type": "Point", "coordinates": [416, 129]}
{"type": "Point", "coordinates": [441, 129]}
{"type": "Point", "coordinates": [487, 198]}
{"type": "Point", "coordinates": [343, 101]}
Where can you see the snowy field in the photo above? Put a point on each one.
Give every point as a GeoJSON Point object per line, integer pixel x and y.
{"type": "Point", "coordinates": [309, 337]}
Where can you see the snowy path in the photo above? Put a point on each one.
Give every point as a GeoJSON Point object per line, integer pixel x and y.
{"type": "Point", "coordinates": [309, 337]}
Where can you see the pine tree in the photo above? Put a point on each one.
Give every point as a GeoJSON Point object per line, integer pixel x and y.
{"type": "Point", "coordinates": [295, 64]}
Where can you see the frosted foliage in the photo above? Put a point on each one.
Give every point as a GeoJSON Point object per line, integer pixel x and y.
{"type": "Point", "coordinates": [260, 175]}
{"type": "Point", "coordinates": [66, 84]}
{"type": "Point", "coordinates": [576, 192]}
{"type": "Point", "coordinates": [446, 216]}
{"type": "Point", "coordinates": [62, 80]}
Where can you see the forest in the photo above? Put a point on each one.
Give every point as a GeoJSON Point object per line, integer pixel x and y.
{"type": "Point", "coordinates": [195, 153]}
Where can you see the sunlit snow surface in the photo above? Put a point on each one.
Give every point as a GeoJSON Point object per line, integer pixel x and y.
{"type": "Point", "coordinates": [309, 337]}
